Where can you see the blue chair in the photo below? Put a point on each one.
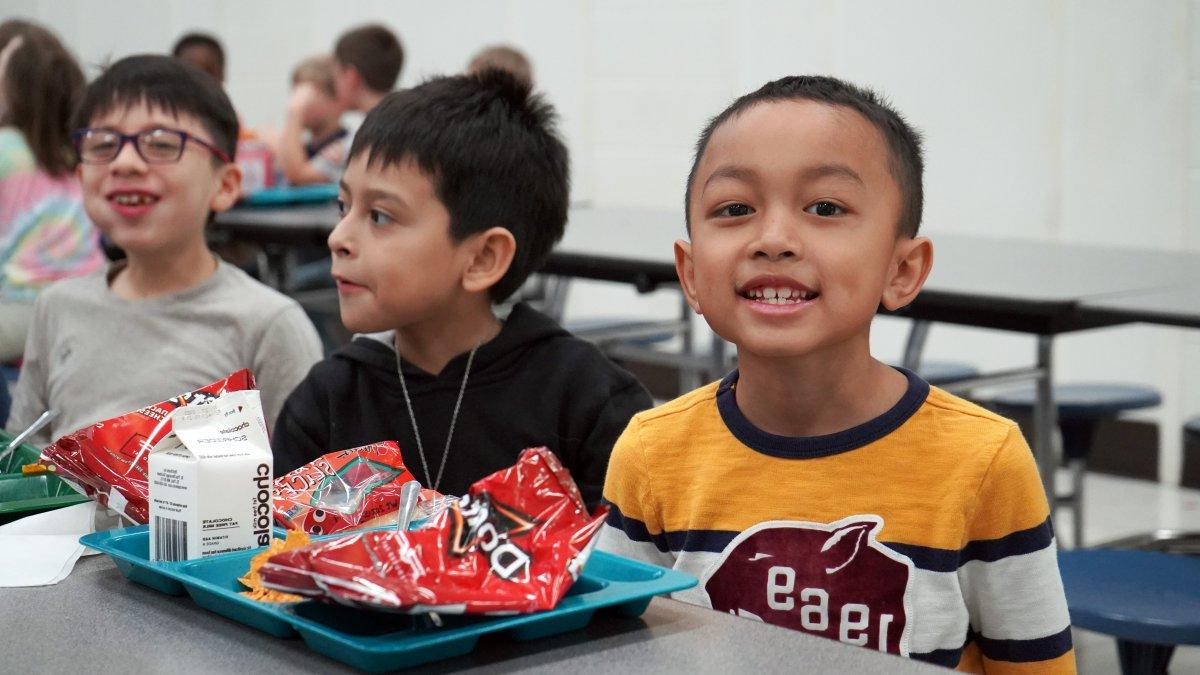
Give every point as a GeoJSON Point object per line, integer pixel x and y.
{"type": "Point", "coordinates": [1148, 601]}
{"type": "Point", "coordinates": [1081, 407]}
{"type": "Point", "coordinates": [548, 294]}
{"type": "Point", "coordinates": [629, 330]}
{"type": "Point", "coordinates": [626, 338]}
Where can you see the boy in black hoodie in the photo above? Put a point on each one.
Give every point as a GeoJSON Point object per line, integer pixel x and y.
{"type": "Point", "coordinates": [454, 192]}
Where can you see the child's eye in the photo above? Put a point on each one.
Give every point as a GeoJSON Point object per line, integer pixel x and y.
{"type": "Point", "coordinates": [341, 207]}
{"type": "Point", "coordinates": [734, 211]}
{"type": "Point", "coordinates": [825, 209]}
{"type": "Point", "coordinates": [379, 217]}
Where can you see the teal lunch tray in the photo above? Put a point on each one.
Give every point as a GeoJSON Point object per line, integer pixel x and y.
{"type": "Point", "coordinates": [380, 641]}
{"type": "Point", "coordinates": [299, 194]}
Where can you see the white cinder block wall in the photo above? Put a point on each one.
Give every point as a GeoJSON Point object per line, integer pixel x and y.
{"type": "Point", "coordinates": [1050, 120]}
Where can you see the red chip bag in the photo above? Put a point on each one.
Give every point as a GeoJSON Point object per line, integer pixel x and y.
{"type": "Point", "coordinates": [514, 544]}
{"type": "Point", "coordinates": [345, 490]}
{"type": "Point", "coordinates": [108, 460]}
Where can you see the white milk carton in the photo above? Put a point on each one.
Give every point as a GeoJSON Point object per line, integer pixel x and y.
{"type": "Point", "coordinates": [210, 480]}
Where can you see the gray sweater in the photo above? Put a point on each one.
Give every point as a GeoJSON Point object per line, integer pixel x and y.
{"type": "Point", "coordinates": [92, 355]}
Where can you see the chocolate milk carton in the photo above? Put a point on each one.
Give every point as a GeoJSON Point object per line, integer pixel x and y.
{"type": "Point", "coordinates": [210, 480]}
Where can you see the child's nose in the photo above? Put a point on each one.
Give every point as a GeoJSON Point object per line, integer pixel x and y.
{"type": "Point", "coordinates": [340, 242]}
{"type": "Point", "coordinates": [127, 160]}
{"type": "Point", "coordinates": [777, 239]}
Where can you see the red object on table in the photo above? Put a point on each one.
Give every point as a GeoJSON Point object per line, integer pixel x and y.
{"type": "Point", "coordinates": [344, 490]}
{"type": "Point", "coordinates": [108, 461]}
{"type": "Point", "coordinates": [514, 544]}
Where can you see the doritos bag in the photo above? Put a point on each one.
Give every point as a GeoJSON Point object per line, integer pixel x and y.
{"type": "Point", "coordinates": [515, 543]}
{"type": "Point", "coordinates": [345, 490]}
{"type": "Point", "coordinates": [108, 460]}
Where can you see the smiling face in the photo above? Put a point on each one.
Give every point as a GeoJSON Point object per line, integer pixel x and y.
{"type": "Point", "coordinates": [155, 209]}
{"type": "Point", "coordinates": [794, 230]}
{"type": "Point", "coordinates": [394, 260]}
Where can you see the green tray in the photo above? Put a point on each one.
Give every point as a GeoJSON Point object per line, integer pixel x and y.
{"type": "Point", "coordinates": [22, 495]}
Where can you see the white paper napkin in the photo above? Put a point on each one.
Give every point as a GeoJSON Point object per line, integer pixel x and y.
{"type": "Point", "coordinates": [41, 549]}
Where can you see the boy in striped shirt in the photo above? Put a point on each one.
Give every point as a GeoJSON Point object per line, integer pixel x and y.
{"type": "Point", "coordinates": [815, 487]}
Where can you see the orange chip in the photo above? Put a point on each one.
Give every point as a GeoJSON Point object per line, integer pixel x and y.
{"type": "Point", "coordinates": [30, 469]}
{"type": "Point", "coordinates": [252, 580]}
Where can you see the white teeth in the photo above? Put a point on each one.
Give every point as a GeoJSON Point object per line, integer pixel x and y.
{"type": "Point", "coordinates": [134, 199]}
{"type": "Point", "coordinates": [780, 296]}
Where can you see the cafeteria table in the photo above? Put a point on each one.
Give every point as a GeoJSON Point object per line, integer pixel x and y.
{"type": "Point", "coordinates": [96, 621]}
{"type": "Point", "coordinates": [1043, 289]}
{"type": "Point", "coordinates": [1176, 306]}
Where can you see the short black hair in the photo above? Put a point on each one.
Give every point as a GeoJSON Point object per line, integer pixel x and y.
{"type": "Point", "coordinates": [903, 141]}
{"type": "Point", "coordinates": [491, 149]}
{"type": "Point", "coordinates": [375, 52]}
{"type": "Point", "coordinates": [166, 83]}
{"type": "Point", "coordinates": [200, 40]}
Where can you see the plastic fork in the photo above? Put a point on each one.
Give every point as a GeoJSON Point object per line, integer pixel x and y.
{"type": "Point", "coordinates": [20, 438]}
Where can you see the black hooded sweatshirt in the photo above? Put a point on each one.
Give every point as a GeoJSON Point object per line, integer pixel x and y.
{"type": "Point", "coordinates": [533, 384]}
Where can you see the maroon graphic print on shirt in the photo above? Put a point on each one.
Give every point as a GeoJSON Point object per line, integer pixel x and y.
{"type": "Point", "coordinates": [831, 580]}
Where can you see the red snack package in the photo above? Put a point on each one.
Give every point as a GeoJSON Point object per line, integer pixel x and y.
{"type": "Point", "coordinates": [108, 461]}
{"type": "Point", "coordinates": [345, 490]}
{"type": "Point", "coordinates": [514, 544]}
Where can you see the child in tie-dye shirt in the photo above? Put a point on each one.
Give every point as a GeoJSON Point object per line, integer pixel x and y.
{"type": "Point", "coordinates": [45, 235]}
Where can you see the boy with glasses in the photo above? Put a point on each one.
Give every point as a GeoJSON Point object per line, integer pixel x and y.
{"type": "Point", "coordinates": [156, 139]}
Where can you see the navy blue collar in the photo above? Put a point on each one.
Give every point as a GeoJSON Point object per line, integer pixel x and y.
{"type": "Point", "coordinates": [807, 447]}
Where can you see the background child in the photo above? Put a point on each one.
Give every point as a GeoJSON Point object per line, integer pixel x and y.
{"type": "Point", "coordinates": [503, 57]}
{"type": "Point", "coordinates": [367, 63]}
{"type": "Point", "coordinates": [369, 59]}
{"type": "Point", "coordinates": [815, 487]}
{"type": "Point", "coordinates": [203, 51]}
{"type": "Point", "coordinates": [313, 109]}
{"type": "Point", "coordinates": [455, 192]}
{"type": "Point", "coordinates": [156, 144]}
{"type": "Point", "coordinates": [44, 233]}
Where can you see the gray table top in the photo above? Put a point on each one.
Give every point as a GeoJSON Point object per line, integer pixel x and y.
{"type": "Point", "coordinates": [1178, 306]}
{"type": "Point", "coordinates": [96, 621]}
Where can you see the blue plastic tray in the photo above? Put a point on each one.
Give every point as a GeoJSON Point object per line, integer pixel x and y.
{"type": "Point", "coordinates": [129, 548]}
{"type": "Point", "coordinates": [379, 641]}
{"type": "Point", "coordinates": [299, 194]}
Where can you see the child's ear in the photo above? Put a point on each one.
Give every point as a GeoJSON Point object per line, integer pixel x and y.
{"type": "Point", "coordinates": [229, 189]}
{"type": "Point", "coordinates": [492, 254]}
{"type": "Point", "coordinates": [910, 267]}
{"type": "Point", "coordinates": [686, 271]}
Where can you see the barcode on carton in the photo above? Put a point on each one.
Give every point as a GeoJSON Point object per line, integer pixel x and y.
{"type": "Point", "coordinates": [170, 539]}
